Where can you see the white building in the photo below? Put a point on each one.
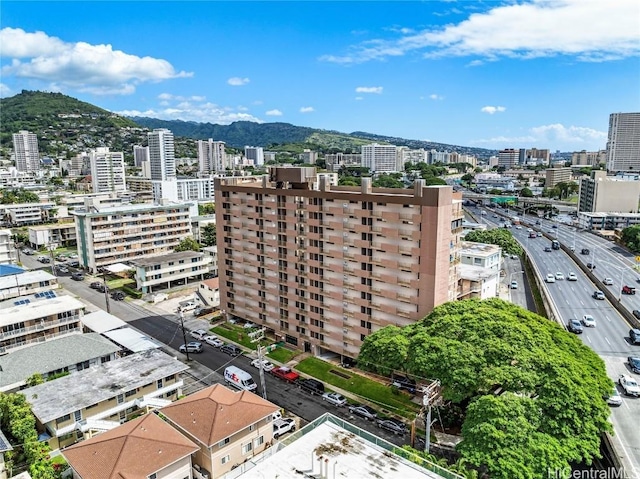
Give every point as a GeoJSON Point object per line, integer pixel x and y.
{"type": "Point", "coordinates": [140, 155]}
{"type": "Point", "coordinates": [479, 270]}
{"type": "Point", "coordinates": [602, 193]}
{"type": "Point", "coordinates": [211, 156]}
{"type": "Point", "coordinates": [25, 149]}
{"type": "Point", "coordinates": [184, 189]}
{"type": "Point", "coordinates": [54, 235]}
{"type": "Point", "coordinates": [379, 158]}
{"type": "Point", "coordinates": [212, 252]}
{"type": "Point", "coordinates": [7, 247]}
{"type": "Point", "coordinates": [23, 214]}
{"type": "Point", "coordinates": [107, 170]}
{"type": "Point", "coordinates": [210, 291]}
{"type": "Point", "coordinates": [162, 158]}
{"type": "Point", "coordinates": [255, 154]}
{"type": "Point", "coordinates": [623, 144]}
{"type": "Point", "coordinates": [163, 271]}
{"type": "Point", "coordinates": [508, 158]}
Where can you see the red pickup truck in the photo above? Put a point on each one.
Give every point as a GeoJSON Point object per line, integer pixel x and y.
{"type": "Point", "coordinates": [286, 374]}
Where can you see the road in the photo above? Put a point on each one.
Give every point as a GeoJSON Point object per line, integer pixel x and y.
{"type": "Point", "coordinates": [573, 299]}
{"type": "Point", "coordinates": [166, 329]}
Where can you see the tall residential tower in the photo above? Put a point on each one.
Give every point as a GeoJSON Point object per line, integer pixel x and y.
{"type": "Point", "coordinates": [25, 149]}
{"type": "Point", "coordinates": [623, 144]}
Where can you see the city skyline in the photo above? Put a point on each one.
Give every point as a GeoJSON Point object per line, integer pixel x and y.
{"type": "Point", "coordinates": [539, 73]}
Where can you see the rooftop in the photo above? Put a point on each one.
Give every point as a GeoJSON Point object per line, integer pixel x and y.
{"type": "Point", "coordinates": [137, 448]}
{"type": "Point", "coordinates": [165, 258]}
{"type": "Point", "coordinates": [343, 451]}
{"type": "Point", "coordinates": [128, 208]}
{"type": "Point", "coordinates": [54, 226]}
{"type": "Point", "coordinates": [65, 395]}
{"type": "Point", "coordinates": [476, 273]}
{"type": "Point", "coordinates": [478, 249]}
{"type": "Point", "coordinates": [213, 283]}
{"type": "Point", "coordinates": [50, 356]}
{"type": "Point", "coordinates": [217, 412]}
{"type": "Point", "coordinates": [23, 278]}
{"type": "Point", "coordinates": [100, 321]}
{"type": "Point", "coordinates": [28, 308]}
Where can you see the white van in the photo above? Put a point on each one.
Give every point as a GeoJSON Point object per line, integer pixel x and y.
{"type": "Point", "coordinates": [239, 378]}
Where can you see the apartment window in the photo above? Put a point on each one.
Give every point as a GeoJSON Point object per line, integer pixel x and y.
{"type": "Point", "coordinates": [224, 442]}
{"type": "Point", "coordinates": [159, 383]}
{"type": "Point", "coordinates": [252, 427]}
{"type": "Point", "coordinates": [284, 325]}
{"type": "Point", "coordinates": [366, 281]}
{"type": "Point", "coordinates": [152, 476]}
{"type": "Point", "coordinates": [318, 336]}
{"type": "Point", "coordinates": [225, 459]}
{"type": "Point", "coordinates": [365, 310]}
{"type": "Point", "coordinates": [82, 365]}
{"type": "Point", "coordinates": [477, 260]}
{"type": "Point", "coordinates": [366, 296]}
{"type": "Point", "coordinates": [130, 393]}
{"type": "Point", "coordinates": [247, 448]}
{"type": "Point", "coordinates": [365, 324]}
{"type": "Point", "coordinates": [301, 330]}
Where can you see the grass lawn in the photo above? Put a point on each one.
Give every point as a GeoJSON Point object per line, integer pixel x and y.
{"type": "Point", "coordinates": [237, 334]}
{"type": "Point", "coordinates": [396, 402]}
{"type": "Point", "coordinates": [282, 355]}
{"type": "Point", "coordinates": [119, 282]}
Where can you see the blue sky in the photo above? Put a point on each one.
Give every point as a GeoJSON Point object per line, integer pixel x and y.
{"type": "Point", "coordinates": [491, 74]}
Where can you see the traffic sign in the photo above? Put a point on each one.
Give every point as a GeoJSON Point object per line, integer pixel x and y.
{"type": "Point", "coordinates": [637, 259]}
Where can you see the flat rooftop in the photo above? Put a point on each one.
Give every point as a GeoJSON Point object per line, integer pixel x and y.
{"type": "Point", "coordinates": [348, 455]}
{"type": "Point", "coordinates": [65, 395]}
{"type": "Point", "coordinates": [165, 258]}
{"type": "Point", "coordinates": [28, 308]}
{"type": "Point", "coordinates": [25, 278]}
{"type": "Point", "coordinates": [478, 249]}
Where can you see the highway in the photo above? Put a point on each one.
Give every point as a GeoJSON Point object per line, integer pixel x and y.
{"type": "Point", "coordinates": [573, 299]}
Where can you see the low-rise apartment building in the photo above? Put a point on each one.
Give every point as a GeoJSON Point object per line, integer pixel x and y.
{"type": "Point", "coordinates": [557, 175]}
{"type": "Point", "coordinates": [52, 236]}
{"type": "Point", "coordinates": [31, 319]}
{"type": "Point", "coordinates": [229, 427]}
{"type": "Point", "coordinates": [25, 283]}
{"type": "Point", "coordinates": [481, 254]}
{"type": "Point", "coordinates": [210, 291]}
{"type": "Point", "coordinates": [607, 221]}
{"type": "Point", "coordinates": [167, 453]}
{"type": "Point", "coordinates": [479, 270]}
{"type": "Point", "coordinates": [69, 354]}
{"type": "Point", "coordinates": [125, 233]}
{"type": "Point", "coordinates": [212, 253]}
{"type": "Point", "coordinates": [163, 271]}
{"type": "Point", "coordinates": [8, 252]}
{"type": "Point", "coordinates": [25, 214]}
{"type": "Point", "coordinates": [80, 406]}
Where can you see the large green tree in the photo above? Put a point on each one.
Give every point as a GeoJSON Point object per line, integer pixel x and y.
{"type": "Point", "coordinates": [498, 236]}
{"type": "Point", "coordinates": [188, 244]}
{"type": "Point", "coordinates": [631, 238]}
{"type": "Point", "coordinates": [532, 392]}
{"type": "Point", "coordinates": [208, 235]}
{"type": "Point", "coordinates": [391, 180]}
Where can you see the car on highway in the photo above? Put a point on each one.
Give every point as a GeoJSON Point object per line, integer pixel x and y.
{"type": "Point", "coordinates": [629, 385]}
{"type": "Point", "coordinates": [555, 227]}
{"type": "Point", "coordinates": [572, 277]}
{"type": "Point", "coordinates": [591, 265]}
{"type": "Point", "coordinates": [634, 334]}
{"type": "Point", "coordinates": [585, 251]}
{"type": "Point", "coordinates": [335, 399]}
{"type": "Point", "coordinates": [598, 295]}
{"type": "Point", "coordinates": [231, 350]}
{"type": "Point", "coordinates": [634, 363]}
{"type": "Point", "coordinates": [547, 249]}
{"type": "Point", "coordinates": [364, 411]}
{"type": "Point", "coordinates": [539, 234]}
{"type": "Point", "coordinates": [614, 399]}
{"type": "Point", "coordinates": [191, 347]}
{"type": "Point", "coordinates": [393, 425]}
{"type": "Point", "coordinates": [574, 326]}
{"type": "Point", "coordinates": [214, 341]}
{"type": "Point", "coordinates": [559, 276]}
{"type": "Point", "coordinates": [514, 284]}
{"type": "Point", "coordinates": [588, 321]}
{"type": "Point", "coordinates": [550, 278]}
{"type": "Point", "coordinates": [628, 289]}
{"type": "Point", "coordinates": [262, 363]}
{"type": "Point", "coordinates": [286, 374]}
{"type": "Point", "coordinates": [607, 281]}
{"type": "Point", "coordinates": [199, 334]}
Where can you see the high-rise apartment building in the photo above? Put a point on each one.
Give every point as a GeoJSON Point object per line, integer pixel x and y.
{"type": "Point", "coordinates": [589, 158]}
{"type": "Point", "coordinates": [115, 234]}
{"type": "Point", "coordinates": [162, 155]}
{"type": "Point", "coordinates": [140, 155]}
{"type": "Point", "coordinates": [508, 158]}
{"type": "Point", "coordinates": [601, 193]}
{"type": "Point", "coordinates": [25, 149]}
{"type": "Point", "coordinates": [107, 170]}
{"type": "Point", "coordinates": [255, 154]}
{"type": "Point", "coordinates": [211, 156]}
{"type": "Point", "coordinates": [553, 176]}
{"type": "Point", "coordinates": [323, 268]}
{"type": "Point", "coordinates": [623, 144]}
{"type": "Point", "coordinates": [380, 158]}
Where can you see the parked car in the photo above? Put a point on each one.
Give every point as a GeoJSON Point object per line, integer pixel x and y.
{"type": "Point", "coordinates": [335, 399]}
{"type": "Point", "coordinates": [395, 426]}
{"type": "Point", "coordinates": [62, 269]}
{"type": "Point", "coordinates": [285, 373]}
{"type": "Point", "coordinates": [574, 326]}
{"type": "Point", "coordinates": [628, 289]}
{"type": "Point", "coordinates": [598, 295]}
{"type": "Point", "coordinates": [634, 363]}
{"type": "Point", "coordinates": [629, 385]}
{"type": "Point", "coordinates": [187, 306]}
{"type": "Point", "coordinates": [614, 399]}
{"type": "Point", "coordinates": [201, 311]}
{"type": "Point", "coordinates": [117, 295]}
{"type": "Point", "coordinates": [404, 382]}
{"type": "Point", "coordinates": [283, 426]}
{"type": "Point", "coordinates": [607, 281]}
{"type": "Point", "coordinates": [27, 251]}
{"type": "Point", "coordinates": [77, 276]}
{"type": "Point", "coordinates": [74, 264]}
{"type": "Point", "coordinates": [214, 341]}
{"type": "Point", "coordinates": [262, 363]}
{"type": "Point", "coordinates": [588, 321]}
{"type": "Point", "coordinates": [231, 350]}
{"type": "Point", "coordinates": [192, 347]}
{"type": "Point", "coordinates": [550, 278]}
{"type": "Point", "coordinates": [95, 285]}
{"type": "Point", "coordinates": [44, 259]}
{"type": "Point", "coordinates": [363, 411]}
{"type": "Point", "coordinates": [312, 386]}
{"type": "Point", "coordinates": [199, 334]}
{"type": "Point", "coordinates": [249, 325]}
{"type": "Point", "coordinates": [348, 362]}
{"type": "Point", "coordinates": [572, 277]}
{"type": "Point", "coordinates": [559, 276]}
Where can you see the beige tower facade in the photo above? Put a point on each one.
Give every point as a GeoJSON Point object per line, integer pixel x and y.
{"type": "Point", "coordinates": [323, 268]}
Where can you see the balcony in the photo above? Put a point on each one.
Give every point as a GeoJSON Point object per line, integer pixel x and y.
{"type": "Point", "coordinates": [39, 327]}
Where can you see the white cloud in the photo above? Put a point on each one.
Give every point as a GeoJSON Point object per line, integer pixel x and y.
{"type": "Point", "coordinates": [369, 89]}
{"type": "Point", "coordinates": [97, 69]}
{"type": "Point", "coordinates": [237, 81]}
{"type": "Point", "coordinates": [436, 97]}
{"type": "Point", "coordinates": [306, 109]}
{"type": "Point", "coordinates": [588, 30]}
{"type": "Point", "coordinates": [492, 109]}
{"type": "Point", "coordinates": [553, 136]}
{"type": "Point", "coordinates": [273, 112]}
{"type": "Point", "coordinates": [5, 91]}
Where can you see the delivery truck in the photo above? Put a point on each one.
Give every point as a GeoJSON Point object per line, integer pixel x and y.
{"type": "Point", "coordinates": [239, 378]}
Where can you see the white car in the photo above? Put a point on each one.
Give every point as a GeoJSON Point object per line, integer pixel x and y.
{"type": "Point", "coordinates": [615, 399]}
{"type": "Point", "coordinates": [629, 385]}
{"type": "Point", "coordinates": [572, 277]}
{"type": "Point", "coordinates": [335, 399]}
{"type": "Point", "coordinates": [213, 340]}
{"type": "Point", "coordinates": [550, 278]}
{"type": "Point", "coordinates": [588, 321]}
{"type": "Point", "coordinates": [199, 334]}
{"type": "Point", "coordinates": [249, 325]}
{"type": "Point", "coordinates": [266, 365]}
{"type": "Point", "coordinates": [607, 281]}
{"type": "Point", "coordinates": [559, 276]}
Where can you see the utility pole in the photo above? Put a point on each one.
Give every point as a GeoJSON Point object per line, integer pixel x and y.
{"type": "Point", "coordinates": [106, 290]}
{"type": "Point", "coordinates": [184, 335]}
{"type": "Point", "coordinates": [256, 336]}
{"type": "Point", "coordinates": [430, 398]}
{"type": "Point", "coordinates": [53, 261]}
